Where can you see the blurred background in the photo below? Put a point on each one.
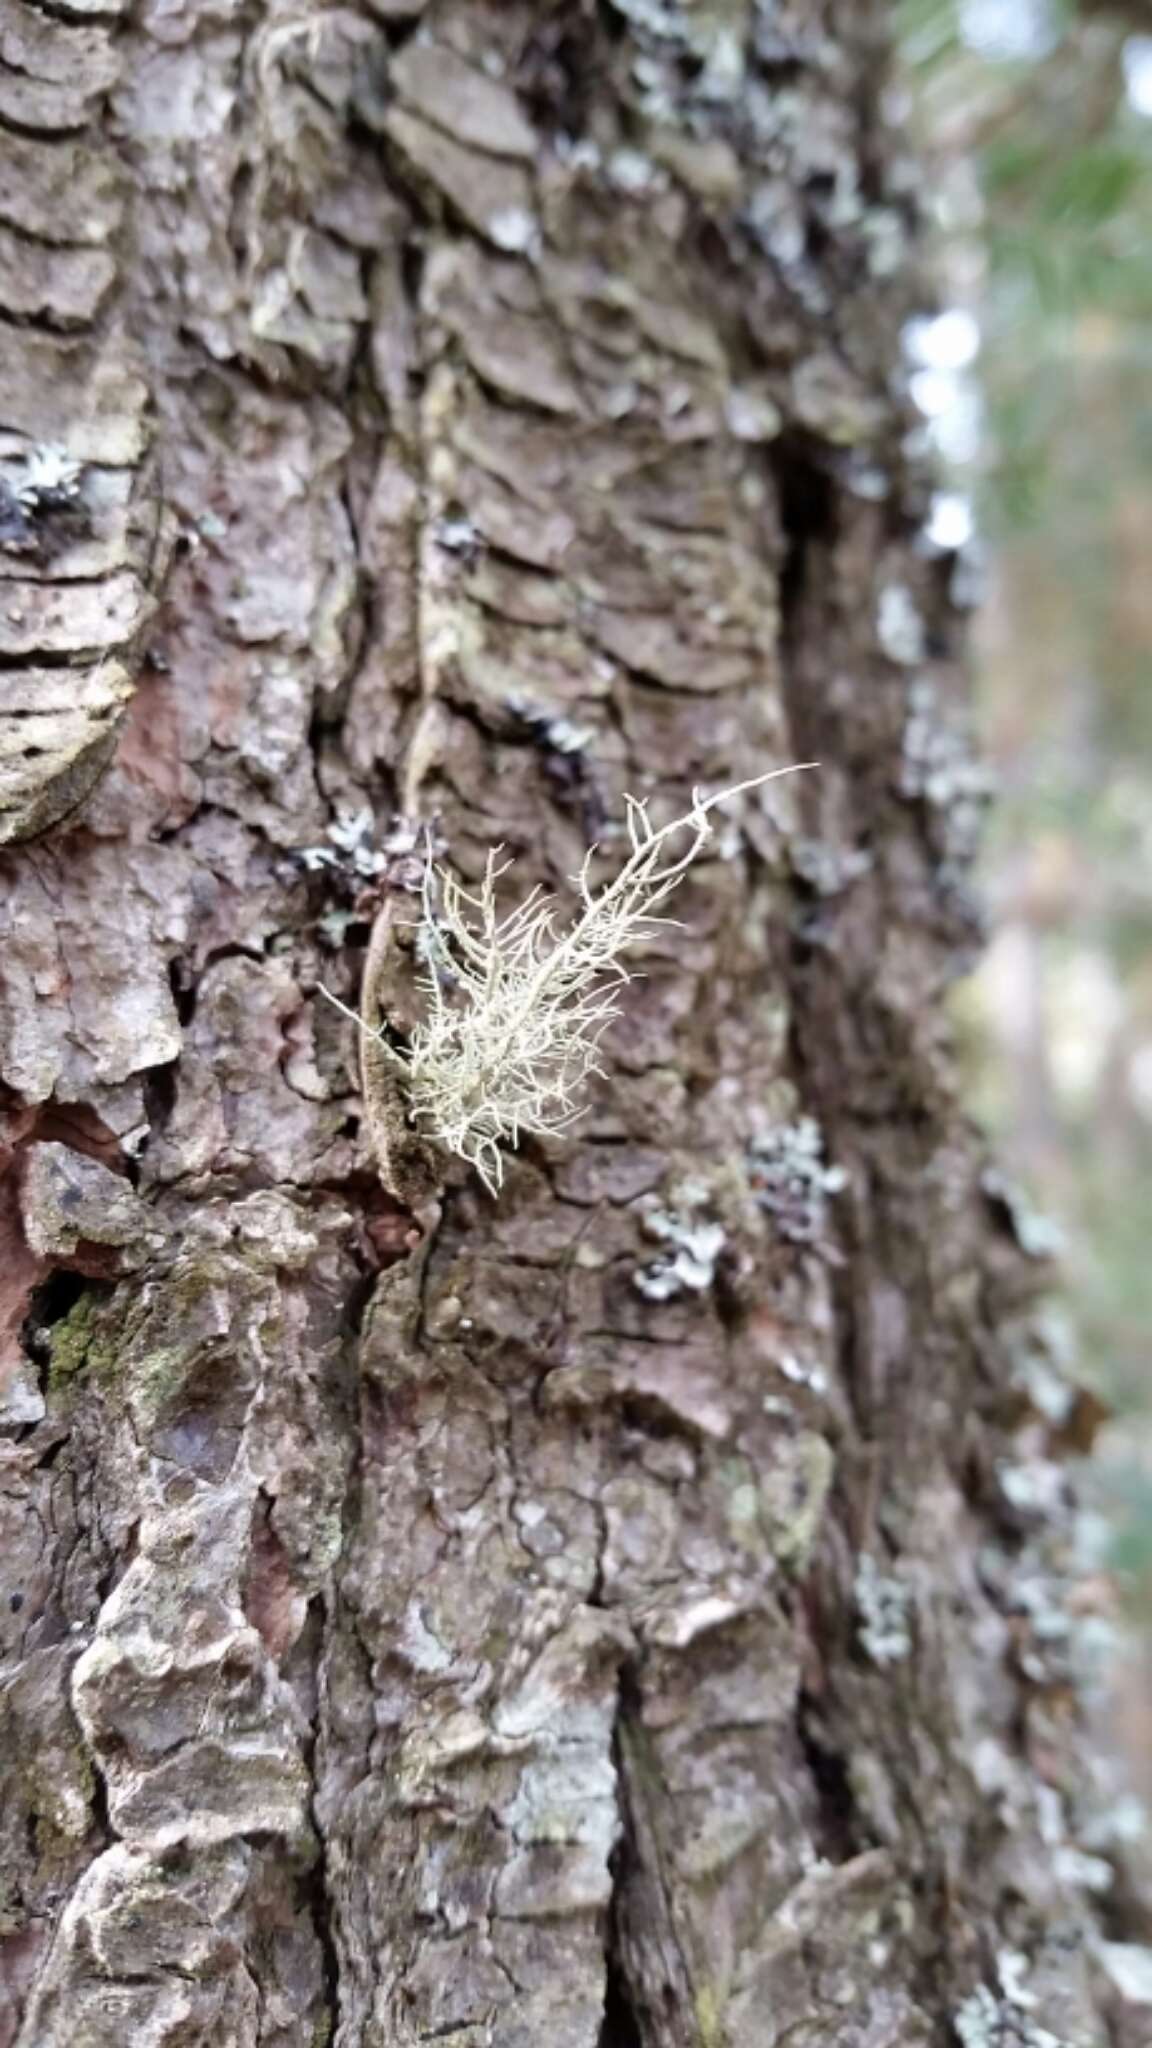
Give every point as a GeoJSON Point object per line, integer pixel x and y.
{"type": "Point", "coordinates": [1035, 380]}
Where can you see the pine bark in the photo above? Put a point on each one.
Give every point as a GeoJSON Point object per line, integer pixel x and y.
{"type": "Point", "coordinates": [640, 1611]}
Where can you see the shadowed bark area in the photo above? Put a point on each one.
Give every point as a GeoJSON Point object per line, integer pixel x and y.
{"type": "Point", "coordinates": [642, 1612]}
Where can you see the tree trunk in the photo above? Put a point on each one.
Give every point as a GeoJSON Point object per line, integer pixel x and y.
{"type": "Point", "coordinates": [638, 1610]}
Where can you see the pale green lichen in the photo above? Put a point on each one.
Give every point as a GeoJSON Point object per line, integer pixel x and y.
{"type": "Point", "coordinates": [61, 1787]}
{"type": "Point", "coordinates": [69, 1344]}
{"type": "Point", "coordinates": [516, 1004]}
{"type": "Point", "coordinates": [795, 1497]}
{"type": "Point", "coordinates": [709, 2018]}
{"type": "Point", "coordinates": [81, 1345]}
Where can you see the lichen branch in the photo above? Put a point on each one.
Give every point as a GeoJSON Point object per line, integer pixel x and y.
{"type": "Point", "coordinates": [513, 1033]}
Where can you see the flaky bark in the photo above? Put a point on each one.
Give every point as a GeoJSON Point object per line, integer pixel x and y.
{"type": "Point", "coordinates": [547, 1629]}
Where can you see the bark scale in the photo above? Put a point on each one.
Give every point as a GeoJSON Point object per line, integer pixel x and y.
{"type": "Point", "coordinates": [551, 1631]}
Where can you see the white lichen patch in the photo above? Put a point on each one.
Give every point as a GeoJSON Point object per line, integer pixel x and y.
{"type": "Point", "coordinates": [568, 738]}
{"type": "Point", "coordinates": [722, 79]}
{"type": "Point", "coordinates": [515, 229]}
{"type": "Point", "coordinates": [49, 473]}
{"type": "Point", "coordinates": [1117, 1819]}
{"type": "Point", "coordinates": [1012, 1967]}
{"type": "Point", "coordinates": [882, 1603]}
{"type": "Point", "coordinates": [455, 533]}
{"type": "Point", "coordinates": [1042, 1359]}
{"type": "Point", "coordinates": [1070, 1639]}
{"type": "Point", "coordinates": [1081, 1871]}
{"type": "Point", "coordinates": [827, 868]}
{"type": "Point", "coordinates": [899, 627]}
{"type": "Point", "coordinates": [885, 239]}
{"type": "Point", "coordinates": [813, 1377]}
{"type": "Point", "coordinates": [350, 847]}
{"type": "Point", "coordinates": [555, 729]}
{"type": "Point", "coordinates": [1036, 1234]}
{"type": "Point", "coordinates": [693, 1243]}
{"type": "Point", "coordinates": [751, 415]}
{"type": "Point", "coordinates": [632, 172]}
{"type": "Point", "coordinates": [790, 1179]}
{"type": "Point", "coordinates": [419, 1643]}
{"type": "Point", "coordinates": [938, 763]}
{"type": "Point", "coordinates": [350, 830]}
{"type": "Point", "coordinates": [985, 2020]}
{"type": "Point", "coordinates": [1128, 1967]}
{"type": "Point", "coordinates": [332, 928]}
{"type": "Point", "coordinates": [1034, 1486]}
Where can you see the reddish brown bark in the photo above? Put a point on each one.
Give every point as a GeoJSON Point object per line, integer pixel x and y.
{"type": "Point", "coordinates": [507, 1640]}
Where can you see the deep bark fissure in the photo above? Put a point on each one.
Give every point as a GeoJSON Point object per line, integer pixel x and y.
{"type": "Point", "coordinates": [51, 1302]}
{"type": "Point", "coordinates": [838, 1836]}
{"type": "Point", "coordinates": [322, 1905]}
{"type": "Point", "coordinates": [620, 2027]}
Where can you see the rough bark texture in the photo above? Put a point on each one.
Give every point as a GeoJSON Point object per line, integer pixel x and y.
{"type": "Point", "coordinates": [555, 1630]}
